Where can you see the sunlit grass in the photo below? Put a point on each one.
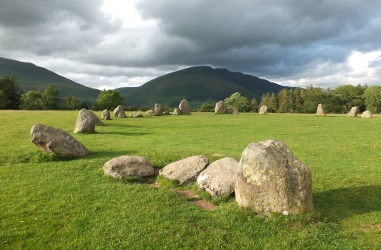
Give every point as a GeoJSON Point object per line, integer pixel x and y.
{"type": "Point", "coordinates": [49, 202]}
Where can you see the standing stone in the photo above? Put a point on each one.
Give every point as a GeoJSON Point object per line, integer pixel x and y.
{"type": "Point", "coordinates": [85, 122]}
{"type": "Point", "coordinates": [177, 111]}
{"type": "Point", "coordinates": [166, 112]}
{"type": "Point", "coordinates": [96, 119]}
{"type": "Point", "coordinates": [119, 112]}
{"type": "Point", "coordinates": [320, 110]}
{"type": "Point", "coordinates": [220, 108]}
{"type": "Point", "coordinates": [185, 170]}
{"type": "Point", "coordinates": [263, 110]}
{"type": "Point", "coordinates": [272, 179]}
{"type": "Point", "coordinates": [54, 140]}
{"type": "Point", "coordinates": [124, 166]}
{"type": "Point", "coordinates": [353, 112]}
{"type": "Point", "coordinates": [235, 111]}
{"type": "Point", "coordinates": [158, 109]}
{"type": "Point", "coordinates": [106, 115]}
{"type": "Point", "coordinates": [184, 106]}
{"type": "Point", "coordinates": [219, 178]}
{"type": "Point", "coordinates": [136, 114]}
{"type": "Point", "coordinates": [366, 114]}
{"type": "Point", "coordinates": [229, 110]}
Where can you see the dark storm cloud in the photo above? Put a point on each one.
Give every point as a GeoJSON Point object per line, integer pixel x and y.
{"type": "Point", "coordinates": [288, 41]}
{"type": "Point", "coordinates": [269, 37]}
{"type": "Point", "coordinates": [52, 27]}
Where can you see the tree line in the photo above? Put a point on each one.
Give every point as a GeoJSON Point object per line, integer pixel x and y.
{"type": "Point", "coordinates": [296, 100]}
{"type": "Point", "coordinates": [339, 100]}
{"type": "Point", "coordinates": [12, 97]}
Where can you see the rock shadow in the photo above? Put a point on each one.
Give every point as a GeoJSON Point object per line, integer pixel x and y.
{"type": "Point", "coordinates": [124, 133]}
{"type": "Point", "coordinates": [108, 154]}
{"type": "Point", "coordinates": [342, 203]}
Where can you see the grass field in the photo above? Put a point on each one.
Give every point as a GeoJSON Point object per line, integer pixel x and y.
{"type": "Point", "coordinates": [50, 203]}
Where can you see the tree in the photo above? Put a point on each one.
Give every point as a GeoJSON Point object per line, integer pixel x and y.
{"type": "Point", "coordinates": [254, 106]}
{"type": "Point", "coordinates": [372, 97]}
{"type": "Point", "coordinates": [206, 107]}
{"type": "Point", "coordinates": [273, 103]}
{"type": "Point", "coordinates": [31, 100]}
{"type": "Point", "coordinates": [72, 103]}
{"type": "Point", "coordinates": [51, 98]}
{"type": "Point", "coordinates": [3, 100]}
{"type": "Point", "coordinates": [265, 99]}
{"type": "Point", "coordinates": [12, 90]}
{"type": "Point", "coordinates": [283, 101]}
{"type": "Point", "coordinates": [239, 101]}
{"type": "Point", "coordinates": [351, 96]}
{"type": "Point", "coordinates": [108, 99]}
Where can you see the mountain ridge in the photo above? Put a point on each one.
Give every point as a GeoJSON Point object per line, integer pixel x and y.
{"type": "Point", "coordinates": [197, 84]}
{"type": "Point", "coordinates": [33, 77]}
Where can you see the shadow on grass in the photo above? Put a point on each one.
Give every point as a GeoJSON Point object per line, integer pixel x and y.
{"type": "Point", "coordinates": [125, 133]}
{"type": "Point", "coordinates": [120, 125]}
{"type": "Point", "coordinates": [342, 203]}
{"type": "Point", "coordinates": [108, 154]}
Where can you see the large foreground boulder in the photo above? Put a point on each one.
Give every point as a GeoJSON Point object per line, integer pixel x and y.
{"type": "Point", "coordinates": [219, 178]}
{"type": "Point", "coordinates": [353, 112]}
{"type": "Point", "coordinates": [263, 110]}
{"type": "Point", "coordinates": [119, 112]}
{"type": "Point", "coordinates": [220, 108]}
{"type": "Point", "coordinates": [366, 114]}
{"type": "Point", "coordinates": [272, 179]}
{"type": "Point", "coordinates": [54, 140]}
{"type": "Point", "coordinates": [125, 166]}
{"type": "Point", "coordinates": [184, 106]}
{"type": "Point", "coordinates": [185, 170]}
{"type": "Point", "coordinates": [85, 122]}
{"type": "Point", "coordinates": [320, 110]}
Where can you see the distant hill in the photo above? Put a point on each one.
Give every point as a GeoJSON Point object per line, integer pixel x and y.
{"type": "Point", "coordinates": [32, 77]}
{"type": "Point", "coordinates": [197, 85]}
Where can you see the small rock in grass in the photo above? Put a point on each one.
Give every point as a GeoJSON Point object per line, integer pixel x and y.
{"type": "Point", "coordinates": [125, 166]}
{"type": "Point", "coordinates": [366, 114]}
{"type": "Point", "coordinates": [219, 178]}
{"type": "Point", "coordinates": [185, 170]}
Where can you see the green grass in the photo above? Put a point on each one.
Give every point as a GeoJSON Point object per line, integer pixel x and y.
{"type": "Point", "coordinates": [50, 203]}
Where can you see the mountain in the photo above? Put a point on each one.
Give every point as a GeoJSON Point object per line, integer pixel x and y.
{"type": "Point", "coordinates": [198, 85]}
{"type": "Point", "coordinates": [32, 77]}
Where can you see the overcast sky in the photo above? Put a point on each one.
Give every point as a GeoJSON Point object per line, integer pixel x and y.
{"type": "Point", "coordinates": [120, 43]}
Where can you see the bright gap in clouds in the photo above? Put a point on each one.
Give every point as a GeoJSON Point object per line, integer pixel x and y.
{"type": "Point", "coordinates": [123, 10]}
{"type": "Point", "coordinates": [360, 61]}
